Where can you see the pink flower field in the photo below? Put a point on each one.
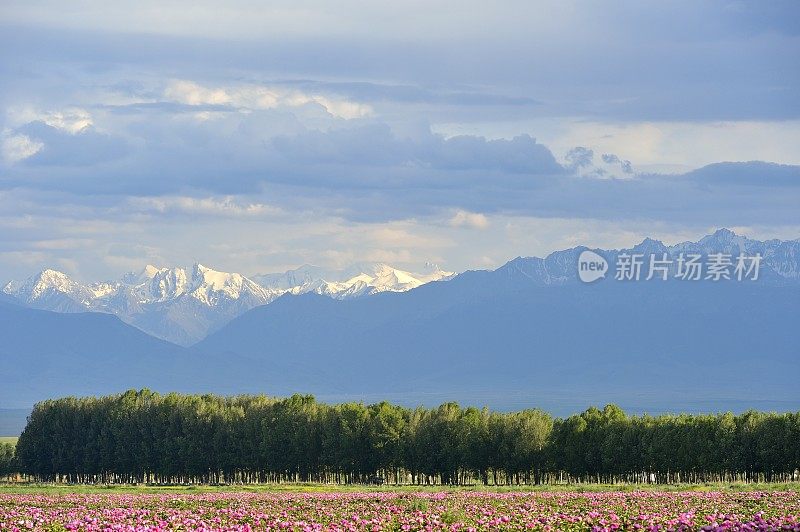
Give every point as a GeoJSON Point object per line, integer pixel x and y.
{"type": "Point", "coordinates": [461, 511]}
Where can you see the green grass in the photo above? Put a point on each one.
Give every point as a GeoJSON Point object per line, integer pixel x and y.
{"type": "Point", "coordinates": [56, 489]}
{"type": "Point", "coordinates": [9, 439]}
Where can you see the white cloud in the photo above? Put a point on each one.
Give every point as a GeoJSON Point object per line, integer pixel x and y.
{"type": "Point", "coordinates": [212, 206]}
{"type": "Point", "coordinates": [585, 163]}
{"type": "Point", "coordinates": [245, 234]}
{"type": "Point", "coordinates": [16, 148]}
{"type": "Point", "coordinates": [72, 120]}
{"type": "Point", "coordinates": [337, 107]}
{"type": "Point", "coordinates": [387, 189]}
{"type": "Point", "coordinates": [251, 96]}
{"type": "Point", "coordinates": [193, 94]}
{"type": "Point", "coordinates": [474, 220]}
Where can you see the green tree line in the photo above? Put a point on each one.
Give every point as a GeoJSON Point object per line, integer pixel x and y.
{"type": "Point", "coordinates": [7, 460]}
{"type": "Point", "coordinates": [142, 436]}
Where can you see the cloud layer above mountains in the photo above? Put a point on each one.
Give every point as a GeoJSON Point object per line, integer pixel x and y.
{"type": "Point", "coordinates": [258, 139]}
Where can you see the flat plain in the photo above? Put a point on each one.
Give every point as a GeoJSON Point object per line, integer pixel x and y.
{"type": "Point", "coordinates": [435, 508]}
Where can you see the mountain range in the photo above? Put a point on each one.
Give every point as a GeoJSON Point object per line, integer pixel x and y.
{"type": "Point", "coordinates": [528, 334]}
{"type": "Point", "coordinates": [183, 306]}
{"type": "Point", "coordinates": [780, 262]}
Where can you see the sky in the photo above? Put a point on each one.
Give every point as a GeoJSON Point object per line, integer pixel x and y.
{"type": "Point", "coordinates": [256, 137]}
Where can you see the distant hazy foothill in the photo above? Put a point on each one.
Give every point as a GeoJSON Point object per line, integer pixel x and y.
{"type": "Point", "coordinates": [526, 334]}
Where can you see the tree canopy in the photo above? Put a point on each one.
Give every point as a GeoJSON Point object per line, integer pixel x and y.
{"type": "Point", "coordinates": [142, 436]}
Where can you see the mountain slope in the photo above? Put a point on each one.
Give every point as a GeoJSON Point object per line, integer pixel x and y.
{"type": "Point", "coordinates": [530, 334]}
{"type": "Point", "coordinates": [647, 347]}
{"type": "Point", "coordinates": [184, 306]}
{"type": "Point", "coordinates": [46, 354]}
{"type": "Point", "coordinates": [357, 280]}
{"type": "Point", "coordinates": [780, 258]}
{"type": "Point", "coordinates": [527, 334]}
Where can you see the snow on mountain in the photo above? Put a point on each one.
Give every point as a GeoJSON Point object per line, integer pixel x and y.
{"type": "Point", "coordinates": [304, 276]}
{"type": "Point", "coordinates": [355, 281]}
{"type": "Point", "coordinates": [160, 284]}
{"type": "Point", "coordinates": [51, 290]}
{"type": "Point", "coordinates": [185, 306]}
{"type": "Point", "coordinates": [35, 287]}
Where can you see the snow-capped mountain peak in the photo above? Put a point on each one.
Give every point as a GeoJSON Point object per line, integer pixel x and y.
{"type": "Point", "coordinates": [372, 278]}
{"type": "Point", "coordinates": [433, 271]}
{"type": "Point", "coordinates": [164, 285]}
{"type": "Point", "coordinates": [150, 271]}
{"type": "Point", "coordinates": [209, 286]}
{"type": "Point", "coordinates": [51, 280]}
{"type": "Point", "coordinates": [205, 277]}
{"type": "Point", "coordinates": [183, 305]}
{"type": "Point", "coordinates": [389, 278]}
{"type": "Point", "coordinates": [146, 274]}
{"type": "Point", "coordinates": [357, 280]}
{"type": "Point", "coordinates": [40, 285]}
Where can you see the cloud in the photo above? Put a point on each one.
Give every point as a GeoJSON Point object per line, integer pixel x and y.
{"type": "Point", "coordinates": [474, 220]}
{"type": "Point", "coordinates": [370, 144]}
{"type": "Point", "coordinates": [17, 147]}
{"type": "Point", "coordinates": [594, 62]}
{"type": "Point", "coordinates": [579, 157]}
{"type": "Point", "coordinates": [191, 93]}
{"type": "Point", "coordinates": [26, 139]}
{"type": "Point", "coordinates": [271, 163]}
{"type": "Point", "coordinates": [72, 121]}
{"type": "Point", "coordinates": [581, 161]}
{"type": "Point", "coordinates": [521, 154]}
{"type": "Point", "coordinates": [753, 173]}
{"type": "Point", "coordinates": [252, 96]}
{"type": "Point", "coordinates": [69, 119]}
{"type": "Point", "coordinates": [611, 159]}
{"type": "Point", "coordinates": [227, 206]}
{"type": "Point", "coordinates": [275, 131]}
{"type": "Point", "coordinates": [376, 144]}
{"type": "Point", "coordinates": [433, 97]}
{"type": "Point", "coordinates": [63, 145]}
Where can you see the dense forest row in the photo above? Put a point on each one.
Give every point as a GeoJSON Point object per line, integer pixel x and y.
{"type": "Point", "coordinates": [146, 437]}
{"type": "Point", "coordinates": [7, 462]}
